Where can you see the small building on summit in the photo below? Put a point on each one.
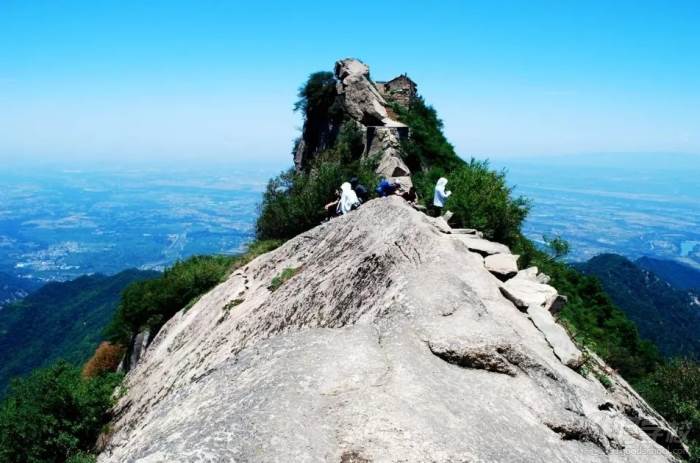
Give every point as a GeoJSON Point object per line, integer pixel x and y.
{"type": "Point", "coordinates": [401, 90]}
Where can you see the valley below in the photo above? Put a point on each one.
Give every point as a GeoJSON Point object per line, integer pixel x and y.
{"type": "Point", "coordinates": [64, 223]}
{"type": "Point", "coordinates": [628, 204]}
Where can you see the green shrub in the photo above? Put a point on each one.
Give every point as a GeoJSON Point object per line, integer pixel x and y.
{"type": "Point", "coordinates": [350, 144]}
{"type": "Point", "coordinates": [231, 304]}
{"type": "Point", "coordinates": [674, 391]}
{"type": "Point", "coordinates": [54, 414]}
{"type": "Point", "coordinates": [427, 147]}
{"type": "Point", "coordinates": [322, 111]}
{"type": "Point", "coordinates": [605, 380]}
{"type": "Point", "coordinates": [557, 246]}
{"type": "Point", "coordinates": [82, 458]}
{"type": "Point", "coordinates": [480, 199]}
{"type": "Point", "coordinates": [293, 201]}
{"type": "Point", "coordinates": [282, 278]}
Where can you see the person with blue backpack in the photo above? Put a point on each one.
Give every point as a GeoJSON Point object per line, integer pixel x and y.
{"type": "Point", "coordinates": [386, 188]}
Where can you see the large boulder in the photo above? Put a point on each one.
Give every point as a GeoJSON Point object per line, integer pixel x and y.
{"type": "Point", "coordinates": [540, 301]}
{"type": "Point", "coordinates": [391, 342]}
{"type": "Point", "coordinates": [482, 246]}
{"type": "Point", "coordinates": [392, 166]}
{"type": "Point", "coordinates": [504, 266]}
{"type": "Point", "coordinates": [525, 293]}
{"type": "Point", "coordinates": [556, 336]}
{"type": "Point", "coordinates": [361, 99]}
{"type": "Point", "coordinates": [385, 145]}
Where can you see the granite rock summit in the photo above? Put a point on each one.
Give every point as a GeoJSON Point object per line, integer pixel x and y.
{"type": "Point", "coordinates": [392, 341]}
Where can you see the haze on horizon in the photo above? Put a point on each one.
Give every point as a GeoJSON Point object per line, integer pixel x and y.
{"type": "Point", "coordinates": [180, 81]}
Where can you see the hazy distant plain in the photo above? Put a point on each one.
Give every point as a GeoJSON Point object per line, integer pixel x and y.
{"type": "Point", "coordinates": [58, 223]}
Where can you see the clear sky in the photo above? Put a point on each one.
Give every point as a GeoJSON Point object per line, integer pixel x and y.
{"type": "Point", "coordinates": [189, 80]}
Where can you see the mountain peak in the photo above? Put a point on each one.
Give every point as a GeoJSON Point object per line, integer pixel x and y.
{"type": "Point", "coordinates": [354, 101]}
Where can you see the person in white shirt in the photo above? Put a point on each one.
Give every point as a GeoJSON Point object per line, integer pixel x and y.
{"type": "Point", "coordinates": [441, 195]}
{"type": "Point", "coordinates": [348, 199]}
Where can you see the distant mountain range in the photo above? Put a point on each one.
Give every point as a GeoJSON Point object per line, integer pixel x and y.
{"type": "Point", "coordinates": [679, 275]}
{"type": "Point", "coordinates": [60, 320]}
{"type": "Point", "coordinates": [656, 295]}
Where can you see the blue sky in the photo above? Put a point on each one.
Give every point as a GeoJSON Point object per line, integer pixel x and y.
{"type": "Point", "coordinates": [216, 80]}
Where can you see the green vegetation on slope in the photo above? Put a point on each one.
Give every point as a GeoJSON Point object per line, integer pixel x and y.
{"type": "Point", "coordinates": [664, 315]}
{"type": "Point", "coordinates": [674, 391]}
{"type": "Point", "coordinates": [54, 415]}
{"type": "Point", "coordinates": [149, 304]}
{"type": "Point", "coordinates": [282, 278]}
{"type": "Point", "coordinates": [592, 318]}
{"type": "Point", "coordinates": [293, 201]}
{"type": "Point", "coordinates": [60, 320]}
{"type": "Point", "coordinates": [480, 198]}
{"type": "Point", "coordinates": [57, 413]}
{"type": "Point", "coordinates": [427, 148]}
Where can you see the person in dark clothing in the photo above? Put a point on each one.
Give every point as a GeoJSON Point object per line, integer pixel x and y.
{"type": "Point", "coordinates": [332, 207]}
{"type": "Point", "coordinates": [386, 188]}
{"type": "Point", "coordinates": [411, 196]}
{"type": "Point", "coordinates": [360, 190]}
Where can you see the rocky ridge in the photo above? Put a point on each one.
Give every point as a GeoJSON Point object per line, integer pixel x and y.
{"type": "Point", "coordinates": [397, 339]}
{"type": "Point", "coordinates": [363, 104]}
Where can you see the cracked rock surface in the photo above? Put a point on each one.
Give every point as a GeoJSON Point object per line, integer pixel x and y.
{"type": "Point", "coordinates": [392, 342]}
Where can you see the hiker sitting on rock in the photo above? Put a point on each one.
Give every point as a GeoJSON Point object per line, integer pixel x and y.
{"type": "Point", "coordinates": [348, 199]}
{"type": "Point", "coordinates": [360, 190]}
{"type": "Point", "coordinates": [387, 188]}
{"type": "Point", "coordinates": [441, 195]}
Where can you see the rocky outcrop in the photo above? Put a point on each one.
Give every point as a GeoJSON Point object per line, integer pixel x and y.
{"type": "Point", "coordinates": [504, 266]}
{"type": "Point", "coordinates": [360, 97]}
{"type": "Point", "coordinates": [383, 143]}
{"type": "Point", "coordinates": [362, 103]}
{"type": "Point", "coordinates": [135, 351]}
{"type": "Point", "coordinates": [482, 246]}
{"type": "Point", "coordinates": [540, 301]}
{"type": "Point", "coordinates": [391, 342]}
